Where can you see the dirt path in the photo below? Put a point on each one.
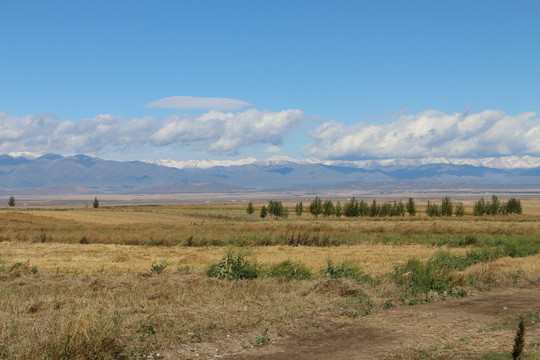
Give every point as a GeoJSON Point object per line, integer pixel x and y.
{"type": "Point", "coordinates": [464, 328]}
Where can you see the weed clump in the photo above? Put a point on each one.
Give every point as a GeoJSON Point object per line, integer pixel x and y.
{"type": "Point", "coordinates": [235, 265]}
{"type": "Point", "coordinates": [519, 340]}
{"type": "Point", "coordinates": [347, 269]}
{"type": "Point", "coordinates": [158, 268]}
{"type": "Point", "coordinates": [289, 270]}
{"type": "Point", "coordinates": [418, 278]}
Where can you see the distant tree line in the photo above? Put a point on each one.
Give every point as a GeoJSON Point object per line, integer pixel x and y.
{"type": "Point", "coordinates": [356, 208]}
{"type": "Point", "coordinates": [274, 208]}
{"type": "Point", "coordinates": [496, 207]}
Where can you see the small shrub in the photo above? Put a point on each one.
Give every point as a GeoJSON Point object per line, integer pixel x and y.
{"type": "Point", "coordinates": [184, 268]}
{"type": "Point", "coordinates": [159, 268]}
{"type": "Point", "coordinates": [347, 269]}
{"type": "Point", "coordinates": [418, 278]}
{"type": "Point", "coordinates": [483, 254]}
{"type": "Point", "coordinates": [235, 265]}
{"type": "Point", "coordinates": [521, 248]}
{"type": "Point", "coordinates": [388, 304]}
{"type": "Point", "coordinates": [264, 338]}
{"type": "Point", "coordinates": [448, 260]}
{"type": "Point", "coordinates": [519, 340]}
{"type": "Point", "coordinates": [289, 270]}
{"type": "Point", "coordinates": [470, 240]}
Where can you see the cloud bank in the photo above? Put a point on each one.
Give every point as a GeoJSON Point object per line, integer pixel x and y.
{"type": "Point", "coordinates": [197, 103]}
{"type": "Point", "coordinates": [430, 134]}
{"type": "Point", "coordinates": [215, 132]}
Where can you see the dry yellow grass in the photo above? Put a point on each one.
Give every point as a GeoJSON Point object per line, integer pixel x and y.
{"type": "Point", "coordinates": [506, 270]}
{"type": "Point", "coordinates": [101, 296]}
{"type": "Point", "coordinates": [176, 225]}
{"type": "Point", "coordinates": [105, 258]}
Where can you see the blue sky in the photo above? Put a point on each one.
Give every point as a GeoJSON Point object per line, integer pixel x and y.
{"type": "Point", "coordinates": [325, 79]}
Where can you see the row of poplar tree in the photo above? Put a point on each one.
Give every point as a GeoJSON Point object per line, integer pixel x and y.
{"type": "Point", "coordinates": [355, 208]}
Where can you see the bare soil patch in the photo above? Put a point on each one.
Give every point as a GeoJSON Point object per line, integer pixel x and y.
{"type": "Point", "coordinates": [466, 328]}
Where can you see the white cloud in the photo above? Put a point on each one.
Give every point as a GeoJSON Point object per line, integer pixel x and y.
{"type": "Point", "coordinates": [272, 149]}
{"type": "Point", "coordinates": [226, 133]}
{"type": "Point", "coordinates": [429, 134]}
{"type": "Point", "coordinates": [215, 132]}
{"type": "Point", "coordinates": [198, 103]}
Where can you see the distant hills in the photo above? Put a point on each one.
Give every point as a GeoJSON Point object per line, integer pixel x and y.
{"type": "Point", "coordinates": [52, 173]}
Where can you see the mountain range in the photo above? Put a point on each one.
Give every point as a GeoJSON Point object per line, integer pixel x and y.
{"type": "Point", "coordinates": [52, 173]}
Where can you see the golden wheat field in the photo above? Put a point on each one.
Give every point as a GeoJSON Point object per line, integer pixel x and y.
{"type": "Point", "coordinates": [134, 281]}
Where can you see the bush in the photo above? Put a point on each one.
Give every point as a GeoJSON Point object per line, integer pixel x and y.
{"type": "Point", "coordinates": [347, 269]}
{"type": "Point", "coordinates": [447, 260]}
{"type": "Point", "coordinates": [418, 278]}
{"type": "Point", "coordinates": [522, 247]}
{"type": "Point", "coordinates": [513, 206]}
{"type": "Point", "coordinates": [158, 268]}
{"type": "Point", "coordinates": [289, 270]}
{"type": "Point", "coordinates": [235, 265]}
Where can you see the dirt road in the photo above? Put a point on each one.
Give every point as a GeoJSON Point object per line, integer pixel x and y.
{"type": "Point", "coordinates": [466, 328]}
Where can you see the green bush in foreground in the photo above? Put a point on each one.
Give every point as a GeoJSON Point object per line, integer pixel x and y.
{"type": "Point", "coordinates": [418, 278]}
{"type": "Point", "coordinates": [347, 269]}
{"type": "Point", "coordinates": [289, 270]}
{"type": "Point", "coordinates": [235, 265]}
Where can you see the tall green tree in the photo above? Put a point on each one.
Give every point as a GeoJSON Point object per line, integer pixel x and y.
{"type": "Point", "coordinates": [446, 206]}
{"type": "Point", "coordinates": [96, 203]}
{"type": "Point", "coordinates": [400, 209]}
{"type": "Point", "coordinates": [277, 209]}
{"type": "Point", "coordinates": [315, 208]}
{"type": "Point", "coordinates": [250, 209]}
{"type": "Point", "coordinates": [460, 210]}
{"type": "Point", "coordinates": [479, 207]}
{"type": "Point", "coordinates": [513, 206]}
{"type": "Point", "coordinates": [494, 206]}
{"type": "Point", "coordinates": [374, 209]}
{"type": "Point", "coordinates": [351, 208]}
{"type": "Point", "coordinates": [433, 209]}
{"type": "Point", "coordinates": [299, 209]}
{"type": "Point", "coordinates": [328, 208]}
{"type": "Point", "coordinates": [263, 212]}
{"type": "Point", "coordinates": [11, 201]}
{"type": "Point", "coordinates": [411, 207]}
{"type": "Point", "coordinates": [339, 209]}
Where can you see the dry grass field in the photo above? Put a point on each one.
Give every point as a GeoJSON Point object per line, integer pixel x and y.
{"type": "Point", "coordinates": [133, 281]}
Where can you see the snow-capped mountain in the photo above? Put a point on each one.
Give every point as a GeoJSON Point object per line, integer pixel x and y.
{"type": "Point", "coordinates": [505, 162]}
{"type": "Point", "coordinates": [53, 173]}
